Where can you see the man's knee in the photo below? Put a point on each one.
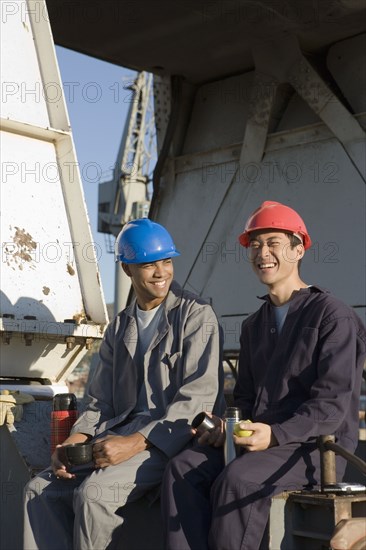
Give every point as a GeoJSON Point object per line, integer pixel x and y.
{"type": "Point", "coordinates": [179, 465]}
{"type": "Point", "coordinates": [197, 458]}
{"type": "Point", "coordinates": [236, 481]}
{"type": "Point", "coordinates": [46, 492]}
{"type": "Point", "coordinates": [38, 484]}
{"type": "Point", "coordinates": [98, 491]}
{"type": "Point", "coordinates": [88, 493]}
{"type": "Point", "coordinates": [34, 488]}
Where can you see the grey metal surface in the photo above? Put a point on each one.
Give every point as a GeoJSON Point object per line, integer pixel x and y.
{"type": "Point", "coordinates": [52, 303]}
{"type": "Point", "coordinates": [208, 190]}
{"type": "Point", "coordinates": [200, 40]}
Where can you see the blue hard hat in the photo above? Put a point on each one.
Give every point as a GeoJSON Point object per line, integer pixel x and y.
{"type": "Point", "coordinates": [142, 241]}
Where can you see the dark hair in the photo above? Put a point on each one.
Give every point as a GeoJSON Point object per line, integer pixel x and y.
{"type": "Point", "coordinates": [295, 241]}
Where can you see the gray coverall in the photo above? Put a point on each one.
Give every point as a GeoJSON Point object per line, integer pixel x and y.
{"type": "Point", "coordinates": [183, 376]}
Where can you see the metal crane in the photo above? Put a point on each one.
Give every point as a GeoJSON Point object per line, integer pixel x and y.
{"type": "Point", "coordinates": [126, 195]}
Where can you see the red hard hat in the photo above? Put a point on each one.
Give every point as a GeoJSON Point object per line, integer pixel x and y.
{"type": "Point", "coordinates": [274, 215]}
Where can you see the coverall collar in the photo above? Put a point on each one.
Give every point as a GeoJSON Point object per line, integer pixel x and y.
{"type": "Point", "coordinates": [171, 301]}
{"type": "Point", "coordinates": [301, 291]}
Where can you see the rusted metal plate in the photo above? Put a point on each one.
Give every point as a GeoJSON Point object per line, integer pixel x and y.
{"type": "Point", "coordinates": [350, 534]}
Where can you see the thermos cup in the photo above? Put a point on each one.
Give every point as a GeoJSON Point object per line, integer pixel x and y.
{"type": "Point", "coordinates": [231, 417]}
{"type": "Point", "coordinates": [63, 416]}
{"type": "Point", "coordinates": [203, 423]}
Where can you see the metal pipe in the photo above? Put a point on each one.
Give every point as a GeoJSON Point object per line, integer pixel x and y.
{"type": "Point", "coordinates": [328, 449]}
{"type": "Point", "coordinates": [328, 474]}
{"type": "Point", "coordinates": [355, 460]}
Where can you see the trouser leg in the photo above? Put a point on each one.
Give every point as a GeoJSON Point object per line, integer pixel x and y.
{"type": "Point", "coordinates": [48, 512]}
{"type": "Point", "coordinates": [241, 495]}
{"type": "Point", "coordinates": [185, 497]}
{"type": "Point", "coordinates": [99, 501]}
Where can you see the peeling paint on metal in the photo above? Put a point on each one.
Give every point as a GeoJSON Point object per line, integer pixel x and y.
{"type": "Point", "coordinates": [26, 242]}
{"type": "Point", "coordinates": [79, 317]}
{"type": "Point", "coordinates": [22, 250]}
{"type": "Point", "coordinates": [70, 269]}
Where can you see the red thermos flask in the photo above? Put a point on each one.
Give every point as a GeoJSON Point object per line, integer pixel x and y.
{"type": "Point", "coordinates": [63, 416]}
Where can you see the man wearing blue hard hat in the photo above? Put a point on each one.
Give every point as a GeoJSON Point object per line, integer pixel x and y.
{"type": "Point", "coordinates": [160, 365]}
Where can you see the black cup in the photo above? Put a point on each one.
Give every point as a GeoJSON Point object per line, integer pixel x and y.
{"type": "Point", "coordinates": [65, 402]}
{"type": "Point", "coordinates": [203, 423]}
{"type": "Point", "coordinates": [78, 453]}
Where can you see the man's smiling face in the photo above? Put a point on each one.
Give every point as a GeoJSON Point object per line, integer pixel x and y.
{"type": "Point", "coordinates": [151, 281]}
{"type": "Point", "coordinates": [272, 257]}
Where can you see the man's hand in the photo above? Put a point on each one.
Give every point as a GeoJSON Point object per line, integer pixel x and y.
{"type": "Point", "coordinates": [114, 449]}
{"type": "Point", "coordinates": [262, 437]}
{"type": "Point", "coordinates": [216, 438]}
{"type": "Point", "coordinates": [59, 462]}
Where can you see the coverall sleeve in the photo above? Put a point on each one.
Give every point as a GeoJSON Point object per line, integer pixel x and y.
{"type": "Point", "coordinates": [201, 388]}
{"type": "Point", "coordinates": [244, 390]}
{"type": "Point", "coordinates": [337, 383]}
{"type": "Point", "coordinates": [100, 409]}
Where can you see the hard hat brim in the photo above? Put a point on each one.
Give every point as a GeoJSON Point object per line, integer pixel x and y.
{"type": "Point", "coordinates": [147, 258]}
{"type": "Point", "coordinates": [244, 238]}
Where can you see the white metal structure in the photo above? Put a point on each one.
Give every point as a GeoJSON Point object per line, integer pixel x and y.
{"type": "Point", "coordinates": [52, 305]}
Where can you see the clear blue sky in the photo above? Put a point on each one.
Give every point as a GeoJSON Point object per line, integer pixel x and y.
{"type": "Point", "coordinates": [97, 102]}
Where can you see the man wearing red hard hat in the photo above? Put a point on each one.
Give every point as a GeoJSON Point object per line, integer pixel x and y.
{"type": "Point", "coordinates": [300, 368]}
